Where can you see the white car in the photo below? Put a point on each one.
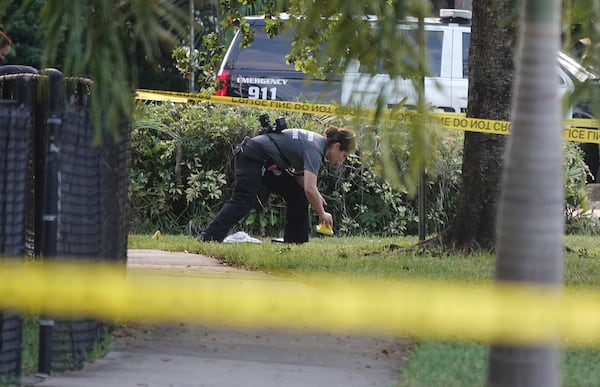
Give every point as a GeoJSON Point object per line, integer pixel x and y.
{"type": "Point", "coordinates": [446, 88]}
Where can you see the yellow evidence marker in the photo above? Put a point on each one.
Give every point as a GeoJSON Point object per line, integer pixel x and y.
{"type": "Point", "coordinates": [324, 228]}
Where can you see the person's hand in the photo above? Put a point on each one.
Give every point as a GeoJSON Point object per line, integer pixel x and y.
{"type": "Point", "coordinates": [327, 219]}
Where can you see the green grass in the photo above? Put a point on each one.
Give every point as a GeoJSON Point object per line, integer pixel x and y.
{"type": "Point", "coordinates": [445, 364]}
{"type": "Point", "coordinates": [100, 348]}
{"type": "Point", "coordinates": [431, 363]}
{"type": "Point", "coordinates": [580, 368]}
{"type": "Point", "coordinates": [373, 257]}
{"type": "Point", "coordinates": [31, 340]}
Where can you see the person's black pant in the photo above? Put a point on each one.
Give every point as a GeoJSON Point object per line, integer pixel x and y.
{"type": "Point", "coordinates": [296, 213]}
{"type": "Point", "coordinates": [248, 182]}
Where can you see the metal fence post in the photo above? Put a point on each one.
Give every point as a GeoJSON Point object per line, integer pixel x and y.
{"type": "Point", "coordinates": [56, 108]}
{"type": "Point", "coordinates": [421, 107]}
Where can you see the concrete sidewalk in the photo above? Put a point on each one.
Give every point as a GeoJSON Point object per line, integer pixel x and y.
{"type": "Point", "coordinates": [180, 355]}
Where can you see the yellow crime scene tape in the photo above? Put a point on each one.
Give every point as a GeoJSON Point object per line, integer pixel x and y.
{"type": "Point", "coordinates": [504, 314]}
{"type": "Point", "coordinates": [576, 129]}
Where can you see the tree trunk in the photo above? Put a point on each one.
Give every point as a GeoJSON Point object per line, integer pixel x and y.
{"type": "Point", "coordinates": [530, 241]}
{"type": "Point", "coordinates": [491, 74]}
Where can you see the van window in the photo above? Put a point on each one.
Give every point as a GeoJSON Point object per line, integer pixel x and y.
{"type": "Point", "coordinates": [466, 40]}
{"type": "Point", "coordinates": [265, 54]}
{"type": "Point", "coordinates": [433, 44]}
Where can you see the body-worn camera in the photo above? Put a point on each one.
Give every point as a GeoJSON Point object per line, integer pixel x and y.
{"type": "Point", "coordinates": [267, 127]}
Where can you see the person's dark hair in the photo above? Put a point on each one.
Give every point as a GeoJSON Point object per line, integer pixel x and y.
{"type": "Point", "coordinates": [4, 40]}
{"type": "Point", "coordinates": [345, 137]}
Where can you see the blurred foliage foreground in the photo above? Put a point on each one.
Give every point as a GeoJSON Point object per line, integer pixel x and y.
{"type": "Point", "coordinates": [182, 174]}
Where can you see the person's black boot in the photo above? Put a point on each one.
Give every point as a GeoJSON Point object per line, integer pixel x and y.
{"type": "Point", "coordinates": [202, 237]}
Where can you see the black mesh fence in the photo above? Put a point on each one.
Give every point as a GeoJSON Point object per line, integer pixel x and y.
{"type": "Point", "coordinates": [11, 338]}
{"type": "Point", "coordinates": [93, 190]}
{"type": "Point", "coordinates": [83, 215]}
{"type": "Point", "coordinates": [15, 145]}
{"type": "Point", "coordinates": [115, 160]}
{"type": "Point", "coordinates": [72, 341]}
{"type": "Point", "coordinates": [15, 135]}
{"type": "Point", "coordinates": [80, 220]}
{"type": "Point", "coordinates": [93, 216]}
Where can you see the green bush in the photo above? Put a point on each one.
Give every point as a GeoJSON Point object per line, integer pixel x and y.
{"type": "Point", "coordinates": [182, 174]}
{"type": "Point", "coordinates": [181, 163]}
{"type": "Point", "coordinates": [577, 218]}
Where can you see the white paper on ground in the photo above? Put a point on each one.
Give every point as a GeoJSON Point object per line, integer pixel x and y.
{"type": "Point", "coordinates": [240, 237]}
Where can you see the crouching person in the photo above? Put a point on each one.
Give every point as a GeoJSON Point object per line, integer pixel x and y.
{"type": "Point", "coordinates": [264, 161]}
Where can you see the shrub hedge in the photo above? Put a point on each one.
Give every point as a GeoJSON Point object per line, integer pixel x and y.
{"type": "Point", "coordinates": [182, 174]}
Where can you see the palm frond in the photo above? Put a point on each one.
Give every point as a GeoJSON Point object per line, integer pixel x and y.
{"type": "Point", "coordinates": [98, 39]}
